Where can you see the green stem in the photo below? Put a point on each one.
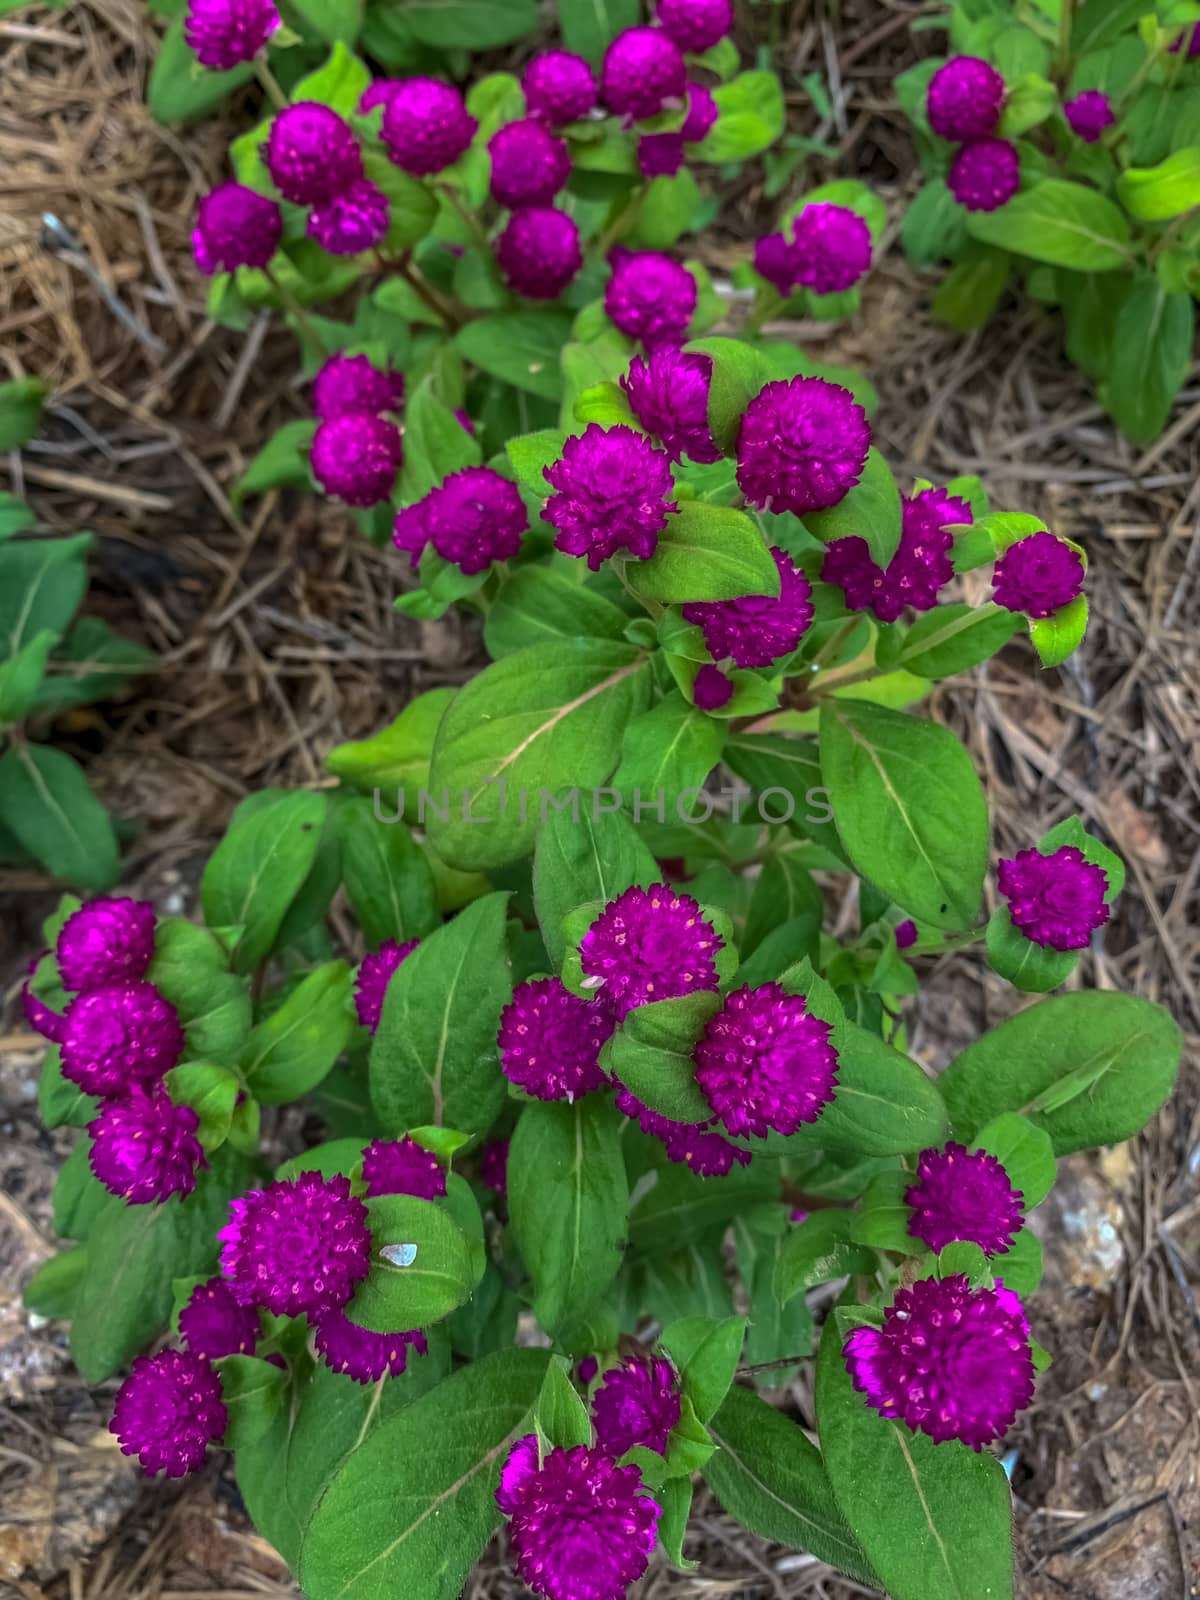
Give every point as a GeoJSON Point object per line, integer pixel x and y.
{"type": "Point", "coordinates": [624, 219]}
{"type": "Point", "coordinates": [442, 308]}
{"type": "Point", "coordinates": [293, 307]}
{"type": "Point", "coordinates": [767, 302]}
{"type": "Point", "coordinates": [1063, 60]}
{"type": "Point", "coordinates": [468, 218]}
{"type": "Point", "coordinates": [269, 82]}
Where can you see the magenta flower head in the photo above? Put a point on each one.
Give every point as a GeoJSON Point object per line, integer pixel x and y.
{"type": "Point", "coordinates": [378, 94]}
{"type": "Point", "coordinates": [765, 1062]}
{"type": "Point", "coordinates": [559, 88]}
{"type": "Point", "coordinates": [168, 1411]}
{"type": "Point", "coordinates": [833, 248]}
{"type": "Point", "coordinates": [637, 1403]}
{"type": "Point", "coordinates": [360, 1354]}
{"type": "Point", "coordinates": [757, 629]}
{"type": "Point", "coordinates": [612, 487]}
{"type": "Point", "coordinates": [529, 164]}
{"type": "Point", "coordinates": [550, 1040]}
{"type": "Point", "coordinates": [311, 153]}
{"type": "Point", "coordinates": [660, 155]}
{"type": "Point", "coordinates": [580, 1526]}
{"type": "Point", "coordinates": [476, 517]}
{"type": "Point", "coordinates": [695, 25]}
{"type": "Point", "coordinates": [1038, 575]}
{"type": "Point", "coordinates": [144, 1146]}
{"type": "Point", "coordinates": [402, 1166]}
{"type": "Point", "coordinates": [105, 941]}
{"type": "Point", "coordinates": [356, 458]}
{"type": "Point", "coordinates": [1089, 114]}
{"type": "Point", "coordinates": [985, 176]}
{"type": "Point", "coordinates": [802, 446]}
{"type": "Point", "coordinates": [963, 1194]}
{"type": "Point", "coordinates": [650, 297]}
{"type": "Point", "coordinates": [426, 126]}
{"type": "Point", "coordinates": [348, 223]}
{"type": "Point", "coordinates": [349, 386]}
{"type": "Point", "coordinates": [119, 1035]}
{"type": "Point", "coordinates": [1190, 38]}
{"type": "Point", "coordinates": [964, 99]}
{"type": "Point", "coordinates": [920, 568]}
{"type": "Point", "coordinates": [374, 975]}
{"type": "Point", "coordinates": [650, 944]}
{"type": "Point", "coordinates": [775, 259]}
{"type": "Point", "coordinates": [410, 531]}
{"type": "Point", "coordinates": [1055, 900]}
{"type": "Point", "coordinates": [296, 1246]}
{"type": "Point", "coordinates": [214, 1323]}
{"type": "Point", "coordinates": [493, 1165]}
{"type": "Point", "coordinates": [949, 1361]}
{"type": "Point", "coordinates": [712, 689]}
{"type": "Point", "coordinates": [690, 1144]}
{"type": "Point", "coordinates": [906, 934]}
{"type": "Point", "coordinates": [538, 252]}
{"type": "Point", "coordinates": [642, 70]}
{"type": "Point", "coordinates": [701, 116]}
{"type": "Point", "coordinates": [668, 394]}
{"type": "Point", "coordinates": [224, 33]}
{"type": "Point", "coordinates": [235, 227]}
{"type": "Point", "coordinates": [38, 1015]}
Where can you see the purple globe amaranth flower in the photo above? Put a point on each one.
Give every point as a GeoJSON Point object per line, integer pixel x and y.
{"type": "Point", "coordinates": [493, 1165]}
{"type": "Point", "coordinates": [1038, 575]}
{"type": "Point", "coordinates": [464, 421]}
{"type": "Point", "coordinates": [348, 223]}
{"type": "Point", "coordinates": [963, 1194]}
{"type": "Point", "coordinates": [660, 155]}
{"type": "Point", "coordinates": [1055, 900]}
{"type": "Point", "coordinates": [38, 1015]}
{"type": "Point", "coordinates": [702, 114]}
{"type": "Point", "coordinates": [765, 1062]}
{"type": "Point", "coordinates": [650, 944]}
{"type": "Point", "coordinates": [668, 394]}
{"type": "Point", "coordinates": [235, 227]}
{"type": "Point", "coordinates": [168, 1411]}
{"type": "Point", "coordinates": [298, 1245]}
{"type": "Point", "coordinates": [637, 1404]}
{"type": "Point", "coordinates": [1089, 114]}
{"type": "Point", "coordinates": [119, 1035]}
{"type": "Point", "coordinates": [410, 533]}
{"type": "Point", "coordinates": [402, 1166]}
{"type": "Point", "coordinates": [550, 1040]}
{"type": "Point", "coordinates": [580, 1527]}
{"type": "Point", "coordinates": [690, 1144]}
{"type": "Point", "coordinates": [1189, 37]}
{"type": "Point", "coordinates": [650, 297]}
{"type": "Point", "coordinates": [756, 629]}
{"type": "Point", "coordinates": [144, 1146]}
{"type": "Point", "coordinates": [802, 446]}
{"type": "Point", "coordinates": [353, 386]}
{"type": "Point", "coordinates": [538, 252]}
{"type": "Point", "coordinates": [559, 88]}
{"type": "Point", "coordinates": [642, 70]}
{"type": "Point", "coordinates": [985, 176]}
{"type": "Point", "coordinates": [920, 568]}
{"type": "Point", "coordinates": [529, 164]}
{"type": "Point", "coordinates": [378, 94]}
{"type": "Point", "coordinates": [476, 517]}
{"type": "Point", "coordinates": [712, 689]}
{"type": "Point", "coordinates": [360, 1354]}
{"type": "Point", "coordinates": [356, 458]}
{"type": "Point", "coordinates": [105, 941]}
{"type": "Point", "coordinates": [906, 934]}
{"type": "Point", "coordinates": [374, 975]}
{"type": "Point", "coordinates": [311, 153]}
{"type": "Point", "coordinates": [949, 1361]}
{"type": "Point", "coordinates": [695, 25]}
{"type": "Point", "coordinates": [964, 99]}
{"type": "Point", "coordinates": [214, 1323]}
{"type": "Point", "coordinates": [426, 126]}
{"type": "Point", "coordinates": [775, 260]}
{"type": "Point", "coordinates": [832, 248]}
{"type": "Point", "coordinates": [224, 33]}
{"type": "Point", "coordinates": [612, 486]}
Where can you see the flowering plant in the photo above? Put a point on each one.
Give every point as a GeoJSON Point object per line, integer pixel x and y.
{"type": "Point", "coordinates": [1061, 150]}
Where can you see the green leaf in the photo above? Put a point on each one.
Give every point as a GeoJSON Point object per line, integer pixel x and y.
{"type": "Point", "coordinates": [1024, 1150]}
{"type": "Point", "coordinates": [953, 638]}
{"type": "Point", "coordinates": [1151, 358]}
{"type": "Point", "coordinates": [651, 1054]}
{"type": "Point", "coordinates": [469, 24]}
{"type": "Point", "coordinates": [191, 970]}
{"type": "Point", "coordinates": [21, 674]}
{"type": "Point", "coordinates": [818, 1250]}
{"type": "Point", "coordinates": [675, 1499]}
{"type": "Point", "coordinates": [289, 1053]}
{"type": "Point", "coordinates": [52, 1290]}
{"type": "Point", "coordinates": [61, 1103]}
{"type": "Point", "coordinates": [771, 1479]}
{"type": "Point", "coordinates": [332, 20]}
{"type": "Point", "coordinates": [513, 731]}
{"type": "Point", "coordinates": [211, 1092]}
{"type": "Point", "coordinates": [397, 756]}
{"type": "Point", "coordinates": [1091, 305]}
{"type": "Point", "coordinates": [971, 290]}
{"type": "Point", "coordinates": [1030, 967]}
{"type": "Point", "coordinates": [590, 26]}
{"type": "Point", "coordinates": [772, 761]}
{"type": "Point", "coordinates": [738, 373]}
{"type": "Point", "coordinates": [909, 807]}
{"type": "Point", "coordinates": [93, 663]}
{"type": "Point", "coordinates": [680, 1207]}
{"type": "Point", "coordinates": [568, 1199]}
{"type": "Point", "coordinates": [561, 1417]}
{"type": "Point", "coordinates": [339, 83]}
{"type": "Point", "coordinates": [934, 225]}
{"type": "Point", "coordinates": [46, 803]}
{"type": "Point", "coordinates": [380, 1528]}
{"type": "Point", "coordinates": [435, 442]}
{"type": "Point", "coordinates": [15, 516]}
{"type": "Point", "coordinates": [253, 1391]}
{"type": "Point", "coordinates": [537, 604]}
{"type": "Point", "coordinates": [387, 876]}
{"type": "Point", "coordinates": [705, 1352]}
{"type": "Point", "coordinates": [433, 1059]}
{"type": "Point", "coordinates": [21, 403]}
{"type": "Point", "coordinates": [1057, 637]}
{"type": "Point", "coordinates": [180, 89]}
{"type": "Point", "coordinates": [531, 453]}
{"type": "Point", "coordinates": [580, 860]}
{"type": "Point", "coordinates": [1151, 193]}
{"type": "Point", "coordinates": [42, 582]}
{"type": "Point", "coordinates": [414, 206]}
{"type": "Point", "coordinates": [79, 1196]}
{"type": "Point", "coordinates": [424, 1282]}
{"type": "Point", "coordinates": [258, 869]}
{"type": "Point", "coordinates": [706, 552]}
{"type": "Point", "coordinates": [1066, 224]}
{"type": "Point", "coordinates": [521, 347]}
{"type": "Point", "coordinates": [750, 117]}
{"type": "Point", "coordinates": [1019, 1267]}
{"type": "Point", "coordinates": [933, 1519]}
{"type": "Point", "coordinates": [871, 511]}
{"type": "Point", "coordinates": [282, 463]}
{"type": "Point", "coordinates": [1028, 102]}
{"type": "Point", "coordinates": [667, 754]}
{"type": "Point", "coordinates": [785, 890]}
{"type": "Point", "coordinates": [1091, 1069]}
{"type": "Point", "coordinates": [884, 1219]}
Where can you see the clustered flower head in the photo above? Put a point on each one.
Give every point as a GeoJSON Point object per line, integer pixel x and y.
{"type": "Point", "coordinates": [920, 568]}
{"type": "Point", "coordinates": [691, 1144]}
{"type": "Point", "coordinates": [235, 227]}
{"type": "Point", "coordinates": [580, 1527]}
{"type": "Point", "coordinates": [358, 1353]}
{"type": "Point", "coordinates": [829, 251]}
{"type": "Point", "coordinates": [168, 1410]}
{"type": "Point", "coordinates": [1088, 114]}
{"type": "Point", "coordinates": [353, 221]}
{"type": "Point", "coordinates": [702, 114]}
{"type": "Point", "coordinates": [642, 71]}
{"type": "Point", "coordinates": [426, 126]}
{"type": "Point", "coordinates": [356, 458]}
{"type": "Point", "coordinates": [949, 1361]}
{"type": "Point", "coordinates": [986, 175]}
{"type": "Point", "coordinates": [637, 1403]}
{"type": "Point", "coordinates": [374, 975]}
{"type": "Point", "coordinates": [660, 155]}
{"type": "Point", "coordinates": [105, 941]}
{"type": "Point", "coordinates": [611, 488]}
{"type": "Point", "coordinates": [311, 153]}
{"type": "Point", "coordinates": [475, 517]}
{"type": "Point", "coordinates": [214, 1322]}
{"type": "Point", "coordinates": [802, 446]}
{"type": "Point", "coordinates": [224, 33]}
{"type": "Point", "coordinates": [538, 252]}
{"type": "Point", "coordinates": [550, 1040]}
{"type": "Point", "coordinates": [695, 25]}
{"type": "Point", "coordinates": [299, 1245]}
{"type": "Point", "coordinates": [1057, 900]}
{"type": "Point", "coordinates": [529, 164]}
{"type": "Point", "coordinates": [559, 88]}
{"type": "Point", "coordinates": [144, 1146]}
{"type": "Point", "coordinates": [668, 394]}
{"type": "Point", "coordinates": [756, 629]}
{"type": "Point", "coordinates": [402, 1166]}
{"type": "Point", "coordinates": [378, 94]}
{"type": "Point", "coordinates": [765, 1062]}
{"type": "Point", "coordinates": [650, 297]}
{"type": "Point", "coordinates": [1037, 575]}
{"type": "Point", "coordinates": [119, 1035]}
{"type": "Point", "coordinates": [353, 386]}
{"type": "Point", "coordinates": [650, 944]}
{"type": "Point", "coordinates": [964, 99]}
{"type": "Point", "coordinates": [711, 689]}
{"type": "Point", "coordinates": [963, 1194]}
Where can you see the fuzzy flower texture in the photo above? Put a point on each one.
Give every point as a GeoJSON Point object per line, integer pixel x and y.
{"type": "Point", "coordinates": [764, 1062]}
{"type": "Point", "coordinates": [637, 1403]}
{"type": "Point", "coordinates": [426, 126]}
{"type": "Point", "coordinates": [235, 227]}
{"type": "Point", "coordinates": [118, 1036]}
{"type": "Point", "coordinates": [559, 88]}
{"type": "Point", "coordinates": [650, 297]}
{"type": "Point", "coordinates": [829, 251]}
{"type": "Point", "coordinates": [311, 153]}
{"type": "Point", "coordinates": [611, 487]}
{"type": "Point", "coordinates": [643, 72]}
{"type": "Point", "coordinates": [650, 944]}
{"type": "Point", "coordinates": [348, 386]}
{"type": "Point", "coordinates": [355, 458]}
{"type": "Point", "coordinates": [1056, 900]}
{"type": "Point", "coordinates": [550, 1040]}
{"type": "Point", "coordinates": [964, 99]}
{"type": "Point", "coordinates": [224, 33]}
{"type": "Point", "coordinates": [374, 975]}
{"type": "Point", "coordinates": [802, 446]}
{"type": "Point", "coordinates": [529, 164]}
{"type": "Point", "coordinates": [538, 252]}
{"type": "Point", "coordinates": [144, 1147]}
{"type": "Point", "coordinates": [1038, 575]}
{"type": "Point", "coordinates": [105, 941]}
{"type": "Point", "coordinates": [668, 394]}
{"type": "Point", "coordinates": [297, 1246]}
{"type": "Point", "coordinates": [963, 1194]}
{"type": "Point", "coordinates": [168, 1411]}
{"type": "Point", "coordinates": [756, 629]}
{"type": "Point", "coordinates": [920, 568]}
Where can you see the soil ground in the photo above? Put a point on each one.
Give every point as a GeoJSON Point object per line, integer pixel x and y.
{"type": "Point", "coordinates": [277, 639]}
